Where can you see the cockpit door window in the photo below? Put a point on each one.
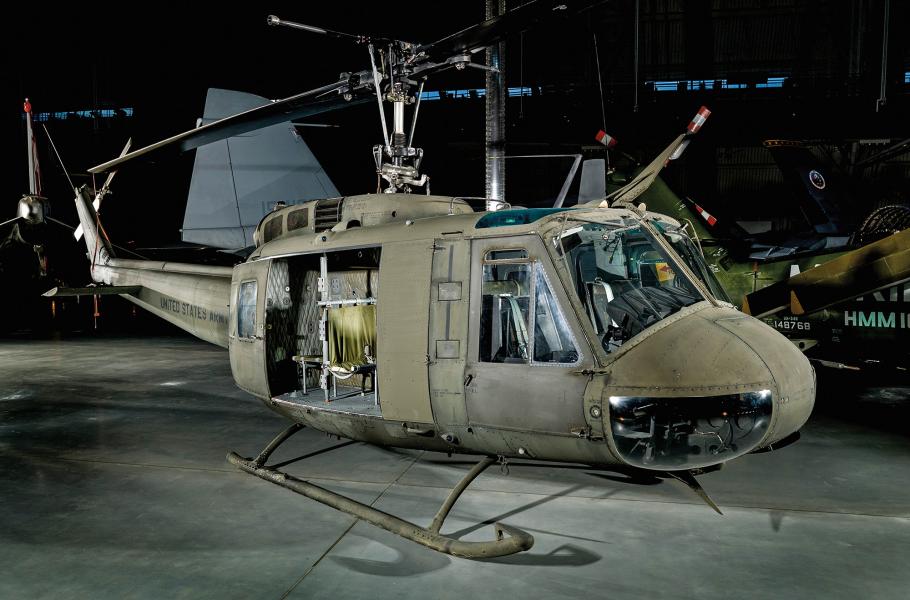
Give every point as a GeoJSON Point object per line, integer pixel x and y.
{"type": "Point", "coordinates": [520, 320]}
{"type": "Point", "coordinates": [505, 313]}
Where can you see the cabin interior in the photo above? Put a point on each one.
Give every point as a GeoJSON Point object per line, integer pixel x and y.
{"type": "Point", "coordinates": [321, 334]}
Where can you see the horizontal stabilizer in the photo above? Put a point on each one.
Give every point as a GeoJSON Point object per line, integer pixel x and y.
{"type": "Point", "coordinates": [107, 290]}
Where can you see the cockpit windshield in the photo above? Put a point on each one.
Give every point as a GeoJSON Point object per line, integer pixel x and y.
{"type": "Point", "coordinates": [694, 260]}
{"type": "Point", "coordinates": [626, 278]}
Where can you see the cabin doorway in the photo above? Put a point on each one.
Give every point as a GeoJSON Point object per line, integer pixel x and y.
{"type": "Point", "coordinates": [321, 332]}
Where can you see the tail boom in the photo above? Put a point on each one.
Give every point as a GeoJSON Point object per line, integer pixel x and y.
{"type": "Point", "coordinates": [192, 297]}
{"type": "Point", "coordinates": [195, 298]}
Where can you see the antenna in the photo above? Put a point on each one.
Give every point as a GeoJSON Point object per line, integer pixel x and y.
{"type": "Point", "coordinates": [60, 160]}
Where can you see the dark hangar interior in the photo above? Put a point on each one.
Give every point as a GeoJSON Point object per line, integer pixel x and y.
{"type": "Point", "coordinates": [650, 266]}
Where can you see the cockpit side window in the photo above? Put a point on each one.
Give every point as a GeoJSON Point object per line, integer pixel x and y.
{"type": "Point", "coordinates": [521, 321]}
{"type": "Point", "coordinates": [516, 254]}
{"type": "Point", "coordinates": [505, 313]}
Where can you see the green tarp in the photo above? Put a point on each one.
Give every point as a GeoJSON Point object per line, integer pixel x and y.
{"type": "Point", "coordinates": [351, 328]}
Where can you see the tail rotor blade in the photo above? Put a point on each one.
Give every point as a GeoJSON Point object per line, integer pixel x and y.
{"type": "Point", "coordinates": [104, 189]}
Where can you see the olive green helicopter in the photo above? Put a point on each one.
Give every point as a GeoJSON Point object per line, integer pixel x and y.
{"type": "Point", "coordinates": [592, 334]}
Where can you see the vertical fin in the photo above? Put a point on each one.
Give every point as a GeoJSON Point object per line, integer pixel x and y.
{"type": "Point", "coordinates": [593, 180]}
{"type": "Point", "coordinates": [237, 181]}
{"type": "Point", "coordinates": [815, 188]}
{"type": "Point", "coordinates": [99, 251]}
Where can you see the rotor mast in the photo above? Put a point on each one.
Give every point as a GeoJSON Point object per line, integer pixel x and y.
{"type": "Point", "coordinates": [397, 161]}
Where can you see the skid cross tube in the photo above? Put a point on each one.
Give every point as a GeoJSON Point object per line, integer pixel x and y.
{"type": "Point", "coordinates": [509, 540]}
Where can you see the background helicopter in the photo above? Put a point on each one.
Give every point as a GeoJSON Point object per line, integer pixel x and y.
{"type": "Point", "coordinates": [36, 253]}
{"type": "Point", "coordinates": [852, 298]}
{"type": "Point", "coordinates": [497, 296]}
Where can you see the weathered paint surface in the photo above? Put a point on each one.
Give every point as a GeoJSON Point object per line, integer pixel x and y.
{"type": "Point", "coordinates": [434, 393]}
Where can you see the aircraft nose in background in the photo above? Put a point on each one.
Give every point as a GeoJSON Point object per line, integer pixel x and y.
{"type": "Point", "coordinates": [711, 386]}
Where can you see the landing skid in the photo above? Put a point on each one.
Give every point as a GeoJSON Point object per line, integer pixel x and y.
{"type": "Point", "coordinates": [509, 540]}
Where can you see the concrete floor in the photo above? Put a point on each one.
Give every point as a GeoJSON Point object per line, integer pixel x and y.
{"type": "Point", "coordinates": [113, 484]}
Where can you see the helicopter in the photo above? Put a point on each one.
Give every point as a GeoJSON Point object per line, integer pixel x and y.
{"type": "Point", "coordinates": [35, 251]}
{"type": "Point", "coordinates": [592, 334]}
{"type": "Point", "coordinates": [23, 256]}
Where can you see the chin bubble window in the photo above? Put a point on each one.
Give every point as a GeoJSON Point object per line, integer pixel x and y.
{"type": "Point", "coordinates": [685, 433]}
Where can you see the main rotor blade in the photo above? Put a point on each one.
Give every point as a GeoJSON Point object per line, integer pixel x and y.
{"type": "Point", "coordinates": [330, 97]}
{"type": "Point", "coordinates": [308, 103]}
{"type": "Point", "coordinates": [491, 31]}
{"type": "Point", "coordinates": [645, 178]}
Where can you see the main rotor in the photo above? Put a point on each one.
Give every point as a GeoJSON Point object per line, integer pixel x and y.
{"type": "Point", "coordinates": [396, 68]}
{"type": "Point", "coordinates": [396, 75]}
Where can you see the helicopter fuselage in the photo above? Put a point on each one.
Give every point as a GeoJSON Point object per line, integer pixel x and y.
{"type": "Point", "coordinates": [563, 335]}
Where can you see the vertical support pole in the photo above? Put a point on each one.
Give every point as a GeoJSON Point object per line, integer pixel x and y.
{"type": "Point", "coordinates": [324, 323]}
{"type": "Point", "coordinates": [883, 81]}
{"type": "Point", "coordinates": [635, 66]}
{"type": "Point", "coordinates": [398, 123]}
{"type": "Point", "coordinates": [494, 101]}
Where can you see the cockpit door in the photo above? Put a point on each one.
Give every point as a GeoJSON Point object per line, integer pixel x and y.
{"type": "Point", "coordinates": [526, 347]}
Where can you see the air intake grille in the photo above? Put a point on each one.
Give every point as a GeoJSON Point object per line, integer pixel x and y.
{"type": "Point", "coordinates": [328, 213]}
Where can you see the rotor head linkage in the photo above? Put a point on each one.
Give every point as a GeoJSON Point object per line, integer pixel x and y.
{"type": "Point", "coordinates": [274, 21]}
{"type": "Point", "coordinates": [397, 162]}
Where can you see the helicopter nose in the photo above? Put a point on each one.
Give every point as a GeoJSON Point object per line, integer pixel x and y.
{"type": "Point", "coordinates": [709, 386]}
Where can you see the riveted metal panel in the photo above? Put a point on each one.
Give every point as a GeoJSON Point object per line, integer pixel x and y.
{"type": "Point", "coordinates": [448, 348]}
{"type": "Point", "coordinates": [449, 291]}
